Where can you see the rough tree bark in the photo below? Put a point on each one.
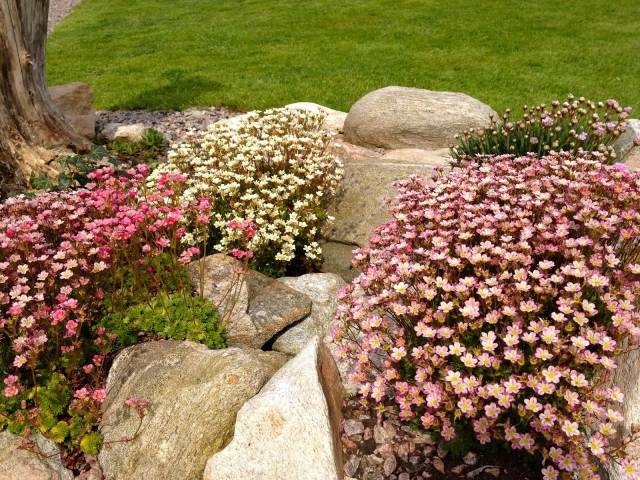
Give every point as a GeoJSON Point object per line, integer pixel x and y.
{"type": "Point", "coordinates": [32, 130]}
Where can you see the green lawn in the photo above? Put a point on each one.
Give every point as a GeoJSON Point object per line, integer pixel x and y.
{"type": "Point", "coordinates": [245, 54]}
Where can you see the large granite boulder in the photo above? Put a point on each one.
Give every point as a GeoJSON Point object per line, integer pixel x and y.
{"type": "Point", "coordinates": [253, 307]}
{"type": "Point", "coordinates": [75, 101]}
{"type": "Point", "coordinates": [322, 289]}
{"type": "Point", "coordinates": [360, 206]}
{"type": "Point", "coordinates": [22, 464]}
{"type": "Point", "coordinates": [291, 429]}
{"type": "Point", "coordinates": [193, 394]}
{"type": "Point", "coordinates": [400, 117]}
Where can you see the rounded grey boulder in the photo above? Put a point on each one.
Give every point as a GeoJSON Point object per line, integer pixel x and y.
{"type": "Point", "coordinates": [401, 117]}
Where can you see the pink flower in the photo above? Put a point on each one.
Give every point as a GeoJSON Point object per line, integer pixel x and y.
{"type": "Point", "coordinates": [81, 393]}
{"type": "Point", "coordinates": [203, 219]}
{"type": "Point", "coordinates": [99, 395]}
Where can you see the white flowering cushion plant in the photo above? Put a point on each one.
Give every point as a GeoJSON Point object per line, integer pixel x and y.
{"type": "Point", "coordinates": [271, 168]}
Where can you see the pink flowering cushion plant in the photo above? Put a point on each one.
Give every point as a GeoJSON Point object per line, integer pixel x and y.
{"type": "Point", "coordinates": [497, 300]}
{"type": "Point", "coordinates": [61, 254]}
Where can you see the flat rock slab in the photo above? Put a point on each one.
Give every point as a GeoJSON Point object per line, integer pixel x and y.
{"type": "Point", "coordinates": [291, 429]}
{"type": "Point", "coordinates": [193, 394]}
{"type": "Point", "coordinates": [254, 307]}
{"type": "Point", "coordinates": [322, 289]}
{"type": "Point", "coordinates": [401, 117]}
{"type": "Point", "coordinates": [360, 205]}
{"type": "Point", "coordinates": [21, 464]}
{"type": "Point", "coordinates": [336, 258]}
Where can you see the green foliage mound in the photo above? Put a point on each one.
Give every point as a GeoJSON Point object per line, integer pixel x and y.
{"type": "Point", "coordinates": [176, 316]}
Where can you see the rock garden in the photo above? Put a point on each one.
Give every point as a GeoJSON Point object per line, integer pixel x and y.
{"type": "Point", "coordinates": [418, 288]}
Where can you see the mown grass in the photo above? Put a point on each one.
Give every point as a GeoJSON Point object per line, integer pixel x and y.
{"type": "Point", "coordinates": [245, 54]}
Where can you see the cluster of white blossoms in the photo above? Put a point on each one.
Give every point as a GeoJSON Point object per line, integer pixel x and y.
{"type": "Point", "coordinates": [272, 168]}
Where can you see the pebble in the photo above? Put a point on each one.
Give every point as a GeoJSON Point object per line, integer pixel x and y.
{"type": "Point", "coordinates": [470, 458]}
{"type": "Point", "coordinates": [390, 464]}
{"type": "Point", "coordinates": [353, 427]}
{"type": "Point", "coordinates": [351, 465]}
{"type": "Point", "coordinates": [458, 469]}
{"type": "Point", "coordinates": [494, 471]}
{"type": "Point", "coordinates": [438, 464]}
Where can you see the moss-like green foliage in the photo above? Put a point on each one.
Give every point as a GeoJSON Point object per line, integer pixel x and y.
{"type": "Point", "coordinates": [91, 443]}
{"type": "Point", "coordinates": [177, 316]}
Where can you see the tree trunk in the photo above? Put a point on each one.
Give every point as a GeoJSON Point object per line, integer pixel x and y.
{"type": "Point", "coordinates": [32, 130]}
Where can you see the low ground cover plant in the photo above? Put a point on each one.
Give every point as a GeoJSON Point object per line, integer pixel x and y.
{"type": "Point", "coordinates": [576, 125]}
{"type": "Point", "coordinates": [146, 150]}
{"type": "Point", "coordinates": [66, 260]}
{"type": "Point", "coordinates": [271, 169]}
{"type": "Point", "coordinates": [178, 316]}
{"type": "Point", "coordinates": [495, 304]}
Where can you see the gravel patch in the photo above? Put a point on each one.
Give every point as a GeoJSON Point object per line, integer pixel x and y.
{"type": "Point", "coordinates": [58, 9]}
{"type": "Point", "coordinates": [381, 447]}
{"type": "Point", "coordinates": [172, 124]}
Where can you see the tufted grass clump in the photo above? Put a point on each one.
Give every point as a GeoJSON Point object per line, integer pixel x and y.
{"type": "Point", "coordinates": [576, 125]}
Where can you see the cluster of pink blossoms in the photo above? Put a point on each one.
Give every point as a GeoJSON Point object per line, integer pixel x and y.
{"type": "Point", "coordinates": [498, 297]}
{"type": "Point", "coordinates": [58, 253]}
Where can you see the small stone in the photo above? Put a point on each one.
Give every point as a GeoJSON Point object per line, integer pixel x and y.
{"type": "Point", "coordinates": [403, 451]}
{"type": "Point", "coordinates": [390, 428]}
{"type": "Point", "coordinates": [458, 469]}
{"type": "Point", "coordinates": [368, 433]}
{"type": "Point", "coordinates": [404, 476]}
{"type": "Point", "coordinates": [438, 464]}
{"type": "Point", "coordinates": [351, 465]}
{"type": "Point", "coordinates": [470, 458]}
{"type": "Point", "coordinates": [493, 471]}
{"type": "Point", "coordinates": [384, 433]}
{"type": "Point", "coordinates": [414, 460]}
{"type": "Point", "coordinates": [353, 427]}
{"type": "Point", "coordinates": [119, 131]}
{"type": "Point", "coordinates": [442, 453]}
{"type": "Point", "coordinates": [348, 443]}
{"type": "Point", "coordinates": [426, 475]}
{"type": "Point", "coordinates": [385, 449]}
{"type": "Point", "coordinates": [390, 464]}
